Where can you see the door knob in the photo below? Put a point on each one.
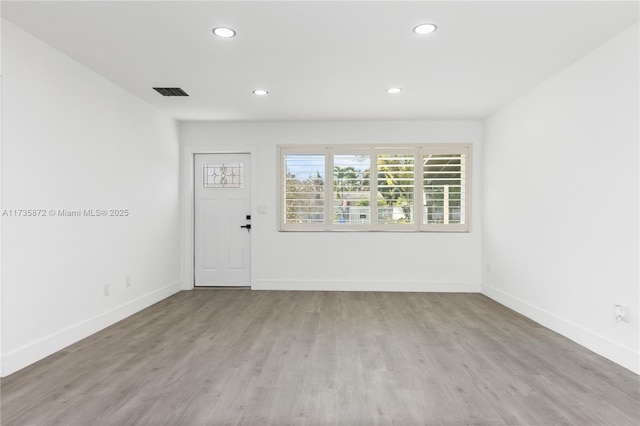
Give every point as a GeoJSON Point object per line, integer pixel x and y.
{"type": "Point", "coordinates": [248, 227]}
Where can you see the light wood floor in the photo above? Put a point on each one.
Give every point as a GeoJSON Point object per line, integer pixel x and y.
{"type": "Point", "coordinates": [323, 358]}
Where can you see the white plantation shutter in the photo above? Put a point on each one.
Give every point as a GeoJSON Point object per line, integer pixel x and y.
{"type": "Point", "coordinates": [370, 188]}
{"type": "Point", "coordinates": [351, 189]}
{"type": "Point", "coordinates": [395, 188]}
{"type": "Point", "coordinates": [444, 189]}
{"type": "Point", "coordinates": [304, 187]}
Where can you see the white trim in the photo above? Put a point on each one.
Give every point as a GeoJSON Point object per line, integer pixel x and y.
{"type": "Point", "coordinates": [368, 285]}
{"type": "Point", "coordinates": [625, 356]}
{"type": "Point", "coordinates": [187, 212]}
{"type": "Point", "coordinates": [41, 348]}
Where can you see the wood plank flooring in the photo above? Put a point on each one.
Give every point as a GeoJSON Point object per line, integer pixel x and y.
{"type": "Point", "coordinates": [218, 357]}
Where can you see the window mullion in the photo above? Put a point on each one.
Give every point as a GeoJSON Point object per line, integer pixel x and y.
{"type": "Point", "coordinates": [328, 194]}
{"type": "Point", "coordinates": [419, 189]}
{"type": "Point", "coordinates": [373, 184]}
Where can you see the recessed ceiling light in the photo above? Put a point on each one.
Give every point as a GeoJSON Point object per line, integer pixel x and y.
{"type": "Point", "coordinates": [260, 92]}
{"type": "Point", "coordinates": [394, 90]}
{"type": "Point", "coordinates": [425, 29]}
{"type": "Point", "coordinates": [224, 32]}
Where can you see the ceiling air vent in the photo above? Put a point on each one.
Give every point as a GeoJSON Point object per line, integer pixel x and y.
{"type": "Point", "coordinates": [170, 91]}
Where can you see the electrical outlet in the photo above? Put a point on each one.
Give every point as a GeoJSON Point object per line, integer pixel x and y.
{"type": "Point", "coordinates": [621, 313]}
{"type": "Point", "coordinates": [127, 281]}
{"type": "Point", "coordinates": [106, 289]}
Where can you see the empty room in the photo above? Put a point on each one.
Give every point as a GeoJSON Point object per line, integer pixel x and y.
{"type": "Point", "coordinates": [320, 213]}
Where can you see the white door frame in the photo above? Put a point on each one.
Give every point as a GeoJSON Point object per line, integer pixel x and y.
{"type": "Point", "coordinates": [188, 198]}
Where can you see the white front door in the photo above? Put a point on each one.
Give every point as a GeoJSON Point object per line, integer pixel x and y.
{"type": "Point", "coordinates": [222, 220]}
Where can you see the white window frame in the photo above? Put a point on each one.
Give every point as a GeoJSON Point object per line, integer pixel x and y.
{"type": "Point", "coordinates": [419, 151]}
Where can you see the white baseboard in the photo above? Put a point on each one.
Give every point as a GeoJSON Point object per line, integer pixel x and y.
{"type": "Point", "coordinates": [625, 356]}
{"type": "Point", "coordinates": [399, 286]}
{"type": "Point", "coordinates": [41, 348]}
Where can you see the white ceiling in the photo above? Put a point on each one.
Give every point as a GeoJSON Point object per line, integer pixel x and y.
{"type": "Point", "coordinates": [325, 60]}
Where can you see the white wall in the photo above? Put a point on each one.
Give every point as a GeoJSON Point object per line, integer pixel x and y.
{"type": "Point", "coordinates": [1, 173]}
{"type": "Point", "coordinates": [561, 201]}
{"type": "Point", "coordinates": [340, 261]}
{"type": "Point", "coordinates": [73, 140]}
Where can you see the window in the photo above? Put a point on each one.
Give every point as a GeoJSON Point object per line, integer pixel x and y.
{"type": "Point", "coordinates": [304, 189]}
{"type": "Point", "coordinates": [222, 175]}
{"type": "Point", "coordinates": [351, 195]}
{"type": "Point", "coordinates": [396, 184]}
{"type": "Point", "coordinates": [445, 188]}
{"type": "Point", "coordinates": [371, 188]}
